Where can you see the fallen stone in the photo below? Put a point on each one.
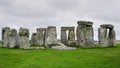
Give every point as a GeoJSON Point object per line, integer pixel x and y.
{"type": "Point", "coordinates": [60, 46]}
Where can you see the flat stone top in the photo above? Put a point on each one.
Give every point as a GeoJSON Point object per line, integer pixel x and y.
{"type": "Point", "coordinates": [67, 28]}
{"type": "Point", "coordinates": [109, 26]}
{"type": "Point", "coordinates": [84, 23]}
{"type": "Point", "coordinates": [6, 28]}
{"type": "Point", "coordinates": [13, 30]}
{"type": "Point", "coordinates": [51, 27]}
{"type": "Point", "coordinates": [41, 29]}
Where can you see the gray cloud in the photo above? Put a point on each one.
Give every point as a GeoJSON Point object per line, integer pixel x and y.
{"type": "Point", "coordinates": [62, 5]}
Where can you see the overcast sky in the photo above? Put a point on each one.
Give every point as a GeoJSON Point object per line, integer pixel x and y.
{"type": "Point", "coordinates": [42, 13]}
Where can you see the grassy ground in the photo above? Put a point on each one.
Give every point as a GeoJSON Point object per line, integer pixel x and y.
{"type": "Point", "coordinates": [80, 58]}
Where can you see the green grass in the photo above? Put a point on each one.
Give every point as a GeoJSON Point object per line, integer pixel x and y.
{"type": "Point", "coordinates": [80, 58]}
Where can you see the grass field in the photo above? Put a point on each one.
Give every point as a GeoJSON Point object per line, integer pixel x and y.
{"type": "Point", "coordinates": [80, 58]}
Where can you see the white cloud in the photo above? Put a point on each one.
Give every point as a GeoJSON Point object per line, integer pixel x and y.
{"type": "Point", "coordinates": [42, 13]}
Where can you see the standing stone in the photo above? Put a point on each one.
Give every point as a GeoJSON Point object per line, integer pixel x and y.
{"type": "Point", "coordinates": [85, 34]}
{"type": "Point", "coordinates": [24, 38]}
{"type": "Point", "coordinates": [106, 35]}
{"type": "Point", "coordinates": [50, 36]}
{"type": "Point", "coordinates": [12, 38]}
{"type": "Point", "coordinates": [34, 39]}
{"type": "Point", "coordinates": [80, 35]}
{"type": "Point", "coordinates": [3, 32]}
{"type": "Point", "coordinates": [41, 36]}
{"type": "Point", "coordinates": [63, 36]}
{"type": "Point", "coordinates": [102, 36]}
{"type": "Point", "coordinates": [71, 38]}
{"type": "Point", "coordinates": [6, 39]}
{"type": "Point", "coordinates": [112, 38]}
{"type": "Point", "coordinates": [5, 36]}
{"type": "Point", "coordinates": [89, 41]}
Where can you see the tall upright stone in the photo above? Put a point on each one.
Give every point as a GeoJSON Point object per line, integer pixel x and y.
{"type": "Point", "coordinates": [106, 35]}
{"type": "Point", "coordinates": [80, 35]}
{"type": "Point", "coordinates": [24, 38]}
{"type": "Point", "coordinates": [5, 36]}
{"type": "Point", "coordinates": [85, 34]}
{"type": "Point", "coordinates": [63, 36]}
{"type": "Point", "coordinates": [102, 36]}
{"type": "Point", "coordinates": [13, 38]}
{"type": "Point", "coordinates": [50, 36]}
{"type": "Point", "coordinates": [71, 38]}
{"type": "Point", "coordinates": [41, 36]}
{"type": "Point", "coordinates": [34, 39]}
{"type": "Point", "coordinates": [112, 37]}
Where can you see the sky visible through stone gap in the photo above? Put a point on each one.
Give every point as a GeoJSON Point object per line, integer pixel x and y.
{"type": "Point", "coordinates": [34, 14]}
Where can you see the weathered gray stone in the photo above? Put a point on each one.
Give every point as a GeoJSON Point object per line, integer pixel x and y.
{"type": "Point", "coordinates": [102, 36]}
{"type": "Point", "coordinates": [85, 34]}
{"type": "Point", "coordinates": [89, 41]}
{"type": "Point", "coordinates": [34, 39]}
{"type": "Point", "coordinates": [41, 36]}
{"type": "Point", "coordinates": [61, 46]}
{"type": "Point", "coordinates": [24, 38]}
{"type": "Point", "coordinates": [70, 40]}
{"type": "Point", "coordinates": [106, 38]}
{"type": "Point", "coordinates": [63, 36]}
{"type": "Point", "coordinates": [6, 39]}
{"type": "Point", "coordinates": [80, 35]}
{"type": "Point", "coordinates": [13, 38]}
{"type": "Point", "coordinates": [84, 23]}
{"type": "Point", "coordinates": [50, 36]}
{"type": "Point", "coordinates": [112, 38]}
{"type": "Point", "coordinates": [5, 36]}
{"type": "Point", "coordinates": [108, 26]}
